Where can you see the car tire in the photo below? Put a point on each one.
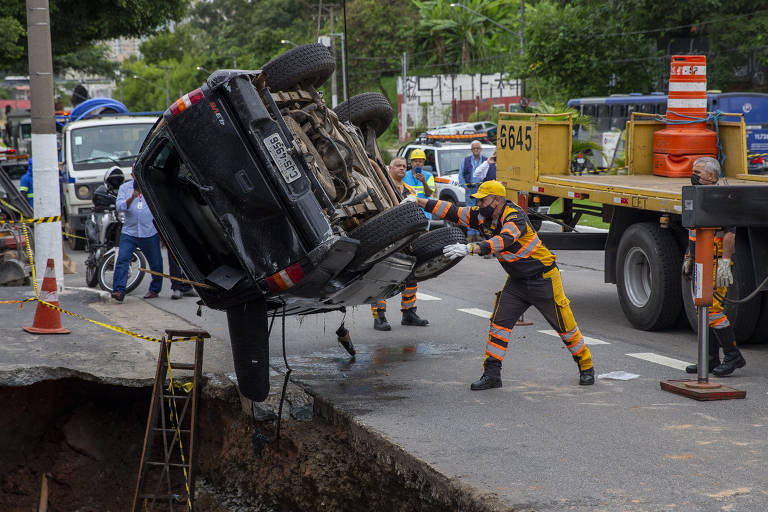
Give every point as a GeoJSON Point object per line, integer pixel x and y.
{"type": "Point", "coordinates": [386, 233]}
{"type": "Point", "coordinates": [369, 108]}
{"type": "Point", "coordinates": [309, 63]}
{"type": "Point", "coordinates": [428, 251]}
{"type": "Point", "coordinates": [648, 266]}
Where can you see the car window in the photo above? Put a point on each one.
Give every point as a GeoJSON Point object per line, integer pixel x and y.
{"type": "Point", "coordinates": [430, 158]}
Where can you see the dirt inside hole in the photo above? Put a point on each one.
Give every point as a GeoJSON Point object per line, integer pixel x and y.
{"type": "Point", "coordinates": [87, 436]}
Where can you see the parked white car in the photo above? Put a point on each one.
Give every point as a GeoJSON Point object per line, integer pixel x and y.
{"type": "Point", "coordinates": [444, 161]}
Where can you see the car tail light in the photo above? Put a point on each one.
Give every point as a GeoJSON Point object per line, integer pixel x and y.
{"type": "Point", "coordinates": [285, 278]}
{"type": "Point", "coordinates": [8, 151]}
{"type": "Point", "coordinates": [186, 101]}
{"type": "Point", "coordinates": [756, 160]}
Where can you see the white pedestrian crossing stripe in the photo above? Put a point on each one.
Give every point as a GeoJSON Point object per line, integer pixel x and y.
{"type": "Point", "coordinates": [424, 296]}
{"type": "Point", "coordinates": [587, 339]}
{"type": "Point", "coordinates": [477, 312]}
{"type": "Point", "coordinates": [664, 360]}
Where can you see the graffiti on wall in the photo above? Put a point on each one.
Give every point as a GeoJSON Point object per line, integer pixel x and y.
{"type": "Point", "coordinates": [430, 101]}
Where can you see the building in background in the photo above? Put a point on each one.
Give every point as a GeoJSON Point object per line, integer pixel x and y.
{"type": "Point", "coordinates": [123, 48]}
{"type": "Point", "coordinates": [431, 101]}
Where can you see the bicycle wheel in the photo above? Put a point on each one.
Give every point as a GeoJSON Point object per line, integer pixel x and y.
{"type": "Point", "coordinates": [107, 271]}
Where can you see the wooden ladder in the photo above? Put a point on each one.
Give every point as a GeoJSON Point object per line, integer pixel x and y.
{"type": "Point", "coordinates": [166, 479]}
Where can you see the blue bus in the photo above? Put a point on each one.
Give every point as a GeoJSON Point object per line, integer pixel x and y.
{"type": "Point", "coordinates": [612, 112]}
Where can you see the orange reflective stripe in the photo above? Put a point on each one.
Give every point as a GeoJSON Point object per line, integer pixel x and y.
{"type": "Point", "coordinates": [464, 214]}
{"type": "Point", "coordinates": [492, 243]}
{"type": "Point", "coordinates": [497, 346]}
{"type": "Point", "coordinates": [441, 209]}
{"type": "Point", "coordinates": [511, 228]}
{"type": "Point", "coordinates": [497, 326]}
{"type": "Point", "coordinates": [408, 300]}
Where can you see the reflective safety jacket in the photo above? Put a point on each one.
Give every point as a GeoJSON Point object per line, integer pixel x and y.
{"type": "Point", "coordinates": [411, 182]}
{"type": "Point", "coordinates": [717, 250]}
{"type": "Point", "coordinates": [512, 239]}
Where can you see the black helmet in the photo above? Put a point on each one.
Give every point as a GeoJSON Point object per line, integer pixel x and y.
{"type": "Point", "coordinates": [114, 178]}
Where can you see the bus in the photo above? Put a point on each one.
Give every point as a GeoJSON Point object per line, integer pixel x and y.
{"type": "Point", "coordinates": [611, 114]}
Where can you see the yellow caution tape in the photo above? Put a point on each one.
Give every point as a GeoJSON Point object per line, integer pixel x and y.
{"type": "Point", "coordinates": [175, 420]}
{"type": "Point", "coordinates": [31, 260]}
{"type": "Point", "coordinates": [71, 235]}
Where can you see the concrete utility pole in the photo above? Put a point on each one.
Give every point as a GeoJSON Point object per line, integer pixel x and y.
{"type": "Point", "coordinates": [45, 169]}
{"type": "Point", "coordinates": [522, 44]}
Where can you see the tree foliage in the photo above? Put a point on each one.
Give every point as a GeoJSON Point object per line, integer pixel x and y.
{"type": "Point", "coordinates": [77, 24]}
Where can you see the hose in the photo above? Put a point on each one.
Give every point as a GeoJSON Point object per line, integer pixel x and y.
{"type": "Point", "coordinates": [745, 299]}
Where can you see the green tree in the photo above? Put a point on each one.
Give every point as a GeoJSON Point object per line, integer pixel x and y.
{"type": "Point", "coordinates": [77, 24]}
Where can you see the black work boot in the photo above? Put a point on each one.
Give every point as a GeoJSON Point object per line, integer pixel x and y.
{"type": "Point", "coordinates": [587, 377]}
{"type": "Point", "coordinates": [732, 358]}
{"type": "Point", "coordinates": [491, 376]}
{"type": "Point", "coordinates": [714, 354]}
{"type": "Point", "coordinates": [380, 322]}
{"type": "Point", "coordinates": [411, 318]}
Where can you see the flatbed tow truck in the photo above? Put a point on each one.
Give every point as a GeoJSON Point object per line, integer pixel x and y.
{"type": "Point", "coordinates": [646, 240]}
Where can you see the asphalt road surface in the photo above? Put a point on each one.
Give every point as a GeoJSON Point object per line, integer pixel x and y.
{"type": "Point", "coordinates": [541, 442]}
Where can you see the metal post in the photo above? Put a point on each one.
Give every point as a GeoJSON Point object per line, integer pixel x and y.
{"type": "Point", "coordinates": [522, 43]}
{"type": "Point", "coordinates": [334, 94]}
{"type": "Point", "coordinates": [45, 171]}
{"type": "Point", "coordinates": [167, 89]}
{"type": "Point", "coordinates": [344, 66]}
{"type": "Point", "coordinates": [405, 97]}
{"type": "Point", "coordinates": [703, 336]}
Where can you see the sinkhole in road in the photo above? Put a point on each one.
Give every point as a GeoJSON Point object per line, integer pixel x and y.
{"type": "Point", "coordinates": [86, 437]}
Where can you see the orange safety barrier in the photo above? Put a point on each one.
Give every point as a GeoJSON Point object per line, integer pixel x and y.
{"type": "Point", "coordinates": [47, 320]}
{"type": "Point", "coordinates": [677, 146]}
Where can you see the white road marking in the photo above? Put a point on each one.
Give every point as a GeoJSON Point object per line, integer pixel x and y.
{"type": "Point", "coordinates": [587, 339]}
{"type": "Point", "coordinates": [477, 312]}
{"type": "Point", "coordinates": [424, 296]}
{"type": "Point", "coordinates": [663, 360]}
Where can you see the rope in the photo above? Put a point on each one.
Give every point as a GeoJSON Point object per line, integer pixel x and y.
{"type": "Point", "coordinates": [714, 117]}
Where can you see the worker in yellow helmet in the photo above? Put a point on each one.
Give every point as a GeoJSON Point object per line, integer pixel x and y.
{"type": "Point", "coordinates": [418, 178]}
{"type": "Point", "coordinates": [533, 277]}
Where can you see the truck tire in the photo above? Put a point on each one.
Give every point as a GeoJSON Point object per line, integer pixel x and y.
{"type": "Point", "coordinates": [386, 233]}
{"type": "Point", "coordinates": [745, 318]}
{"type": "Point", "coordinates": [308, 63]}
{"type": "Point", "coordinates": [428, 250]}
{"type": "Point", "coordinates": [369, 108]}
{"type": "Point", "coordinates": [760, 334]}
{"type": "Point", "coordinates": [76, 244]}
{"type": "Point", "coordinates": [648, 266]}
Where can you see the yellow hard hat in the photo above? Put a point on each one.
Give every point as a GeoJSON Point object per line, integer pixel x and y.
{"type": "Point", "coordinates": [490, 188]}
{"type": "Point", "coordinates": [418, 153]}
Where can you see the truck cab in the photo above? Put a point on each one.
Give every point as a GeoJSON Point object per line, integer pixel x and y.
{"type": "Point", "coordinates": [88, 149]}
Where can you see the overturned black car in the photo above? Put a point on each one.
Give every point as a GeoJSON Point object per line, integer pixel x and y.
{"type": "Point", "coordinates": [281, 203]}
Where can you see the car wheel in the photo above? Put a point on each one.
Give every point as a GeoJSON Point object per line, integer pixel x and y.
{"type": "Point", "coordinates": [428, 250]}
{"type": "Point", "coordinates": [369, 108]}
{"type": "Point", "coordinates": [648, 266]}
{"type": "Point", "coordinates": [309, 63]}
{"type": "Point", "coordinates": [386, 233]}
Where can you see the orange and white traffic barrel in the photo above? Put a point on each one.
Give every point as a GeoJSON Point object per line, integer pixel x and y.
{"type": "Point", "coordinates": [677, 146]}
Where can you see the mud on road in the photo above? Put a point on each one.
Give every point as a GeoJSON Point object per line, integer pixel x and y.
{"type": "Point", "coordinates": [87, 436]}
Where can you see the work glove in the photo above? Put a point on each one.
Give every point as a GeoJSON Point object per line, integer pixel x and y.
{"type": "Point", "coordinates": [454, 251]}
{"type": "Point", "coordinates": [688, 266]}
{"type": "Point", "coordinates": [724, 275]}
{"type": "Point", "coordinates": [410, 199]}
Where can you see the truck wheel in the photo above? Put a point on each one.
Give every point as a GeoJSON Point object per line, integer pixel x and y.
{"type": "Point", "coordinates": [369, 108]}
{"type": "Point", "coordinates": [386, 233]}
{"type": "Point", "coordinates": [76, 244]}
{"type": "Point", "coordinates": [760, 334]}
{"type": "Point", "coordinates": [249, 338]}
{"type": "Point", "coordinates": [648, 268]}
{"type": "Point", "coordinates": [309, 63]}
{"type": "Point", "coordinates": [428, 250]}
{"type": "Point", "coordinates": [746, 319]}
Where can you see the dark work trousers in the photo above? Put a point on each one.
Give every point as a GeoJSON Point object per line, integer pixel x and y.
{"type": "Point", "coordinates": [545, 293]}
{"type": "Point", "coordinates": [175, 270]}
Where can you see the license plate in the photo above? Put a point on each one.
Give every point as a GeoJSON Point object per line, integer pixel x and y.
{"type": "Point", "coordinates": [283, 160]}
{"type": "Point", "coordinates": [580, 160]}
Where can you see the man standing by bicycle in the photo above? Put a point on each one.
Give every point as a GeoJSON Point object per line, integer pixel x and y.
{"type": "Point", "coordinates": [138, 231]}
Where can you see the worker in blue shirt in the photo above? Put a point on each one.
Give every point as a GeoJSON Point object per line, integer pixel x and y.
{"type": "Point", "coordinates": [26, 185]}
{"type": "Point", "coordinates": [138, 231]}
{"type": "Point", "coordinates": [420, 180]}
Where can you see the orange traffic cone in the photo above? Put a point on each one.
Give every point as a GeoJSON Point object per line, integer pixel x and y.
{"type": "Point", "coordinates": [47, 320]}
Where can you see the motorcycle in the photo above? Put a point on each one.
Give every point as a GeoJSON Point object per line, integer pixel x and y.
{"type": "Point", "coordinates": [102, 229]}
